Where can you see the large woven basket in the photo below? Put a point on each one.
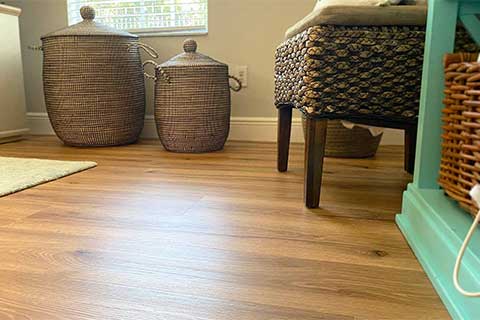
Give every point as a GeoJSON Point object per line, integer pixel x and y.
{"type": "Point", "coordinates": [93, 84]}
{"type": "Point", "coordinates": [192, 101]}
{"type": "Point", "coordinates": [343, 142]}
{"type": "Point", "coordinates": [460, 163]}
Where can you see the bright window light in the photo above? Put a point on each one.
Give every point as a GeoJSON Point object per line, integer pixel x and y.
{"type": "Point", "coordinates": [146, 16]}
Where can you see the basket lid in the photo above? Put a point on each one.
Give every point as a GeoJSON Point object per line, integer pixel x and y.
{"type": "Point", "coordinates": [190, 57]}
{"type": "Point", "coordinates": [88, 27]}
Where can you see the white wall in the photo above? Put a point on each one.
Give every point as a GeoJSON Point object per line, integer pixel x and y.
{"type": "Point", "coordinates": [241, 32]}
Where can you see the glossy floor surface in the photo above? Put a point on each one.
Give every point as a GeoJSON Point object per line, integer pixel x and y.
{"type": "Point", "coordinates": [155, 235]}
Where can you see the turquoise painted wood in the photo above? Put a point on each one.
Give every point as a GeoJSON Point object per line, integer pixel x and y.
{"type": "Point", "coordinates": [434, 227]}
{"type": "Point", "coordinates": [470, 21]}
{"type": "Point", "coordinates": [433, 224]}
{"type": "Point", "coordinates": [440, 38]}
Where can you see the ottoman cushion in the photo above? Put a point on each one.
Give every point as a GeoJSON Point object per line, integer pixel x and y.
{"type": "Point", "coordinates": [331, 13]}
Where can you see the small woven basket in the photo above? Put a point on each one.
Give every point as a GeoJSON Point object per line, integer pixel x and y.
{"type": "Point", "coordinates": [343, 142]}
{"type": "Point", "coordinates": [460, 162]}
{"type": "Point", "coordinates": [192, 101]}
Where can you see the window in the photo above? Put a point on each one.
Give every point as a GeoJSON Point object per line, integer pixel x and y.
{"type": "Point", "coordinates": [146, 17]}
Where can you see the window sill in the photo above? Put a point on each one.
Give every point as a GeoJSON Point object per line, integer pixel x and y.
{"type": "Point", "coordinates": [177, 33]}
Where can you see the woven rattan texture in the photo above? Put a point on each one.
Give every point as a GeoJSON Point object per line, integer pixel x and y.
{"type": "Point", "coordinates": [460, 163]}
{"type": "Point", "coordinates": [353, 72]}
{"type": "Point", "coordinates": [192, 110]}
{"type": "Point", "coordinates": [94, 89]}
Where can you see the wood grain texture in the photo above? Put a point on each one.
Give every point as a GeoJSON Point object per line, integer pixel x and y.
{"type": "Point", "coordinates": [410, 148]}
{"type": "Point", "coordinates": [156, 235]}
{"type": "Point", "coordinates": [284, 131]}
{"type": "Point", "coordinates": [316, 134]}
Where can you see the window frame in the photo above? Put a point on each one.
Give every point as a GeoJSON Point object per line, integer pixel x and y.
{"type": "Point", "coordinates": [166, 31]}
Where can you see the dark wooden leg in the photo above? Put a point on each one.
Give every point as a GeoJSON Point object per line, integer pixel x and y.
{"type": "Point", "coordinates": [410, 146]}
{"type": "Point", "coordinates": [314, 152]}
{"type": "Point", "coordinates": [283, 136]}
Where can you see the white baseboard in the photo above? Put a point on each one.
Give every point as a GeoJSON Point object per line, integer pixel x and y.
{"type": "Point", "coordinates": [13, 133]}
{"type": "Point", "coordinates": [39, 124]}
{"type": "Point", "coordinates": [394, 137]}
{"type": "Point", "coordinates": [260, 129]}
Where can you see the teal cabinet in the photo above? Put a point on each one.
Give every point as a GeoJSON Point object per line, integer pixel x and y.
{"type": "Point", "coordinates": [433, 224]}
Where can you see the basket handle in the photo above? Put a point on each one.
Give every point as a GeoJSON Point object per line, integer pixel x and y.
{"type": "Point", "coordinates": [148, 49]}
{"type": "Point", "coordinates": [239, 84]}
{"type": "Point", "coordinates": [35, 47]}
{"type": "Point", "coordinates": [475, 195]}
{"type": "Point", "coordinates": [162, 72]}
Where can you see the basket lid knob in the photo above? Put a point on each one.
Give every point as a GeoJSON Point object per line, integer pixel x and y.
{"type": "Point", "coordinates": [87, 13]}
{"type": "Point", "coordinates": [190, 46]}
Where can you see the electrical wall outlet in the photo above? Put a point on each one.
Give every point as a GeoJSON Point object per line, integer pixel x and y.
{"type": "Point", "coordinates": [241, 72]}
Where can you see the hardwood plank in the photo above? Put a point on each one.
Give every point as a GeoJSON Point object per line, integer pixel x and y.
{"type": "Point", "coordinates": [155, 235]}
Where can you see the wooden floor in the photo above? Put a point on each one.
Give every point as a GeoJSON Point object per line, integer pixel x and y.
{"type": "Point", "coordinates": [156, 235]}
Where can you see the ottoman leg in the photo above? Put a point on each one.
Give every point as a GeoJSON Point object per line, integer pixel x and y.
{"type": "Point", "coordinates": [314, 153]}
{"type": "Point", "coordinates": [410, 146]}
{"type": "Point", "coordinates": [283, 136]}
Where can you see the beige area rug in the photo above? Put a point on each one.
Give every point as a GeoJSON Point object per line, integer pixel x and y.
{"type": "Point", "coordinates": [20, 173]}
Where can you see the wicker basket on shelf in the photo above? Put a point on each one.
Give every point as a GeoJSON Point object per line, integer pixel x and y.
{"type": "Point", "coordinates": [460, 163]}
